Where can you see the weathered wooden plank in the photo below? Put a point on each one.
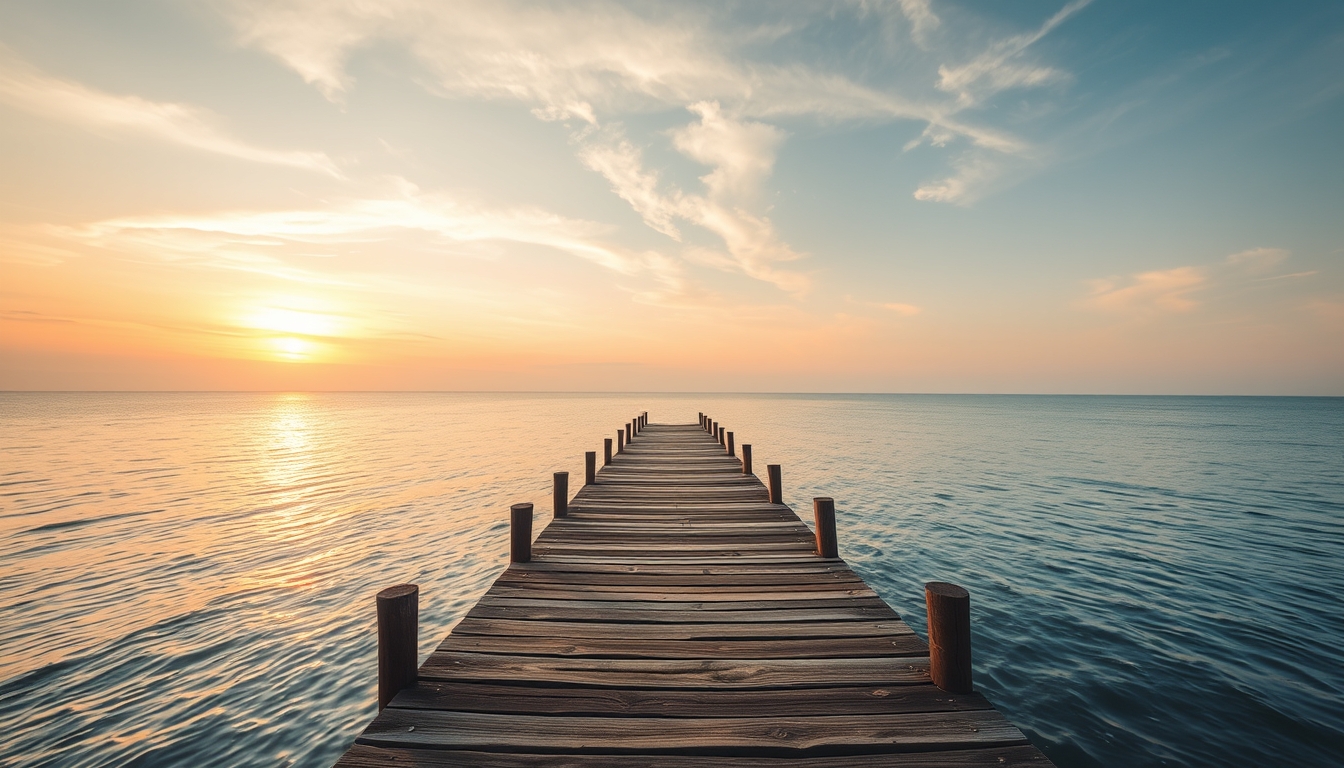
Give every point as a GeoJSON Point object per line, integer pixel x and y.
{"type": "Point", "coordinates": [365, 756]}
{"type": "Point", "coordinates": [473, 730]}
{"type": "Point", "coordinates": [665, 702]}
{"type": "Point", "coordinates": [598, 630]}
{"type": "Point", "coordinates": [677, 673]}
{"type": "Point", "coordinates": [624, 648]}
{"type": "Point", "coordinates": [679, 594]}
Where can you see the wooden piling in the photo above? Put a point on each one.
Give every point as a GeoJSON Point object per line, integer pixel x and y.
{"type": "Point", "coordinates": [731, 450]}
{"type": "Point", "coordinates": [560, 494]}
{"type": "Point", "coordinates": [620, 440]}
{"type": "Point", "coordinates": [776, 483]}
{"type": "Point", "coordinates": [398, 639]}
{"type": "Point", "coordinates": [746, 458]}
{"type": "Point", "coordinates": [606, 451]}
{"type": "Point", "coordinates": [589, 467]}
{"type": "Point", "coordinates": [520, 533]}
{"type": "Point", "coordinates": [823, 509]}
{"type": "Point", "coordinates": [949, 609]}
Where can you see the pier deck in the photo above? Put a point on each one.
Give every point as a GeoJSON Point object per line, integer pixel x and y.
{"type": "Point", "coordinates": [676, 617]}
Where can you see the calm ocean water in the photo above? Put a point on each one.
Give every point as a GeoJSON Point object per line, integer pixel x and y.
{"type": "Point", "coordinates": [189, 578]}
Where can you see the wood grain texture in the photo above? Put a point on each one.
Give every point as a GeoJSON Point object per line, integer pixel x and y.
{"type": "Point", "coordinates": [676, 617]}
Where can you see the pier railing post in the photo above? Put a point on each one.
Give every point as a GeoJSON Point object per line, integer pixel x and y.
{"type": "Point", "coordinates": [949, 608]}
{"type": "Point", "coordinates": [398, 629]}
{"type": "Point", "coordinates": [606, 451]}
{"type": "Point", "coordinates": [746, 458]}
{"type": "Point", "coordinates": [620, 440]}
{"type": "Point", "coordinates": [721, 439]}
{"type": "Point", "coordinates": [823, 508]}
{"type": "Point", "coordinates": [776, 484]}
{"type": "Point", "coordinates": [731, 451]}
{"type": "Point", "coordinates": [560, 495]}
{"type": "Point", "coordinates": [520, 533]}
{"type": "Point", "coordinates": [589, 467]}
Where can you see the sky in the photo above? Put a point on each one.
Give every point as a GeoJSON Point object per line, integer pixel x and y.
{"type": "Point", "coordinates": [911, 196]}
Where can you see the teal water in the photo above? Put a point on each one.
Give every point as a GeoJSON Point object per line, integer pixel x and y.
{"type": "Point", "coordinates": [189, 578]}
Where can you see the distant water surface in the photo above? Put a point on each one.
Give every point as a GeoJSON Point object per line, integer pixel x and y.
{"type": "Point", "coordinates": [188, 579]}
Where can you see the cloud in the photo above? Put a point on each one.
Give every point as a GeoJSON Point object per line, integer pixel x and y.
{"type": "Point", "coordinates": [742, 155]}
{"type": "Point", "coordinates": [1178, 290]}
{"type": "Point", "coordinates": [1258, 261]}
{"type": "Point", "coordinates": [243, 239]}
{"type": "Point", "coordinates": [26, 88]}
{"type": "Point", "coordinates": [1166, 290]}
{"type": "Point", "coordinates": [995, 70]}
{"type": "Point", "coordinates": [922, 19]}
{"type": "Point", "coordinates": [904, 310]}
{"type": "Point", "coordinates": [584, 59]}
{"type": "Point", "coordinates": [622, 164]}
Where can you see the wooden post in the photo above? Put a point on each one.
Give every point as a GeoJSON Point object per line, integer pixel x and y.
{"type": "Point", "coordinates": [589, 467]}
{"type": "Point", "coordinates": [634, 428]}
{"type": "Point", "coordinates": [723, 437]}
{"type": "Point", "coordinates": [702, 419]}
{"type": "Point", "coordinates": [949, 608]}
{"type": "Point", "coordinates": [731, 451]}
{"type": "Point", "coordinates": [823, 508]}
{"type": "Point", "coordinates": [520, 533]}
{"type": "Point", "coordinates": [398, 629]}
{"type": "Point", "coordinates": [620, 440]}
{"type": "Point", "coordinates": [560, 495]}
{"type": "Point", "coordinates": [606, 451]}
{"type": "Point", "coordinates": [776, 484]}
{"type": "Point", "coordinates": [746, 458]}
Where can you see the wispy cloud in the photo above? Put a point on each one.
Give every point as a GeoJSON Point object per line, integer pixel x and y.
{"type": "Point", "coordinates": [998, 67]}
{"type": "Point", "coordinates": [741, 154]}
{"type": "Point", "coordinates": [1183, 289]}
{"type": "Point", "coordinates": [363, 220]}
{"type": "Point", "coordinates": [24, 87]}
{"type": "Point", "coordinates": [1167, 290]}
{"type": "Point", "coordinates": [597, 61]}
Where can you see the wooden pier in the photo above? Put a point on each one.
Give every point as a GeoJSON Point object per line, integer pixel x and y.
{"type": "Point", "coordinates": [676, 616]}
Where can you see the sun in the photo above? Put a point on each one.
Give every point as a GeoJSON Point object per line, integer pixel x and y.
{"type": "Point", "coordinates": [294, 330]}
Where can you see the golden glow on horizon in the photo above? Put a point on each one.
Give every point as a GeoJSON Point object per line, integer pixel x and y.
{"type": "Point", "coordinates": [295, 330]}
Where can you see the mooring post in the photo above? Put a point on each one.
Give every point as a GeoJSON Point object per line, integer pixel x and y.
{"type": "Point", "coordinates": [520, 533]}
{"type": "Point", "coordinates": [620, 440]}
{"type": "Point", "coordinates": [731, 451]}
{"type": "Point", "coordinates": [713, 428]}
{"type": "Point", "coordinates": [589, 467]}
{"type": "Point", "coordinates": [560, 495]}
{"type": "Point", "coordinates": [633, 428]}
{"type": "Point", "coordinates": [606, 451]}
{"type": "Point", "coordinates": [823, 508]}
{"type": "Point", "coordinates": [723, 441]}
{"type": "Point", "coordinates": [949, 608]}
{"type": "Point", "coordinates": [746, 458]}
{"type": "Point", "coordinates": [776, 484]}
{"type": "Point", "coordinates": [398, 629]}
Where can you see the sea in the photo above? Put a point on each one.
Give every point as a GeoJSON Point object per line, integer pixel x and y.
{"type": "Point", "coordinates": [188, 579]}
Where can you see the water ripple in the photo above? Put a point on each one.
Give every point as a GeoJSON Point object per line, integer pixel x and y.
{"type": "Point", "coordinates": [189, 578]}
